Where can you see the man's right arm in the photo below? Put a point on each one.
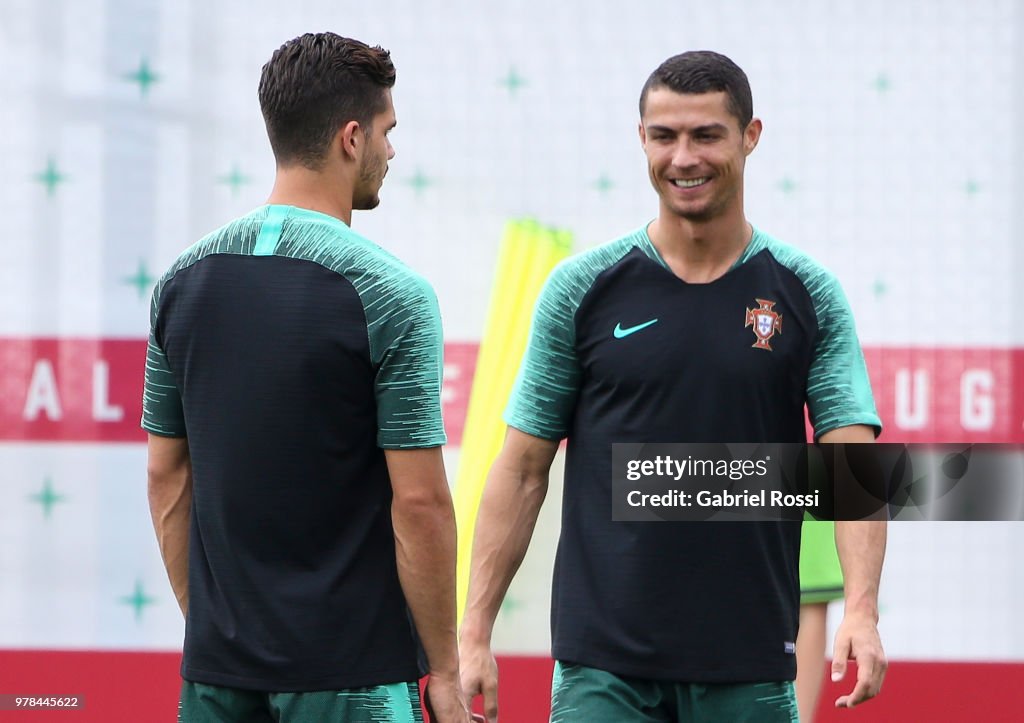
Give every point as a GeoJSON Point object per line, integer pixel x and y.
{"type": "Point", "coordinates": [424, 524]}
{"type": "Point", "coordinates": [512, 498]}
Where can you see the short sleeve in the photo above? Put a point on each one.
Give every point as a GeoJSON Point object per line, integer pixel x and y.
{"type": "Point", "coordinates": [162, 412]}
{"type": "Point", "coordinates": [838, 388]}
{"type": "Point", "coordinates": [407, 346]}
{"type": "Point", "coordinates": [546, 387]}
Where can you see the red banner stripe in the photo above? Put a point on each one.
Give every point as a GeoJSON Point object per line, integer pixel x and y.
{"type": "Point", "coordinates": [140, 686]}
{"type": "Point", "coordinates": [90, 390]}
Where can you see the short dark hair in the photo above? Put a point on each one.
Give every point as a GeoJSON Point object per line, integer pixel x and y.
{"type": "Point", "coordinates": [313, 85]}
{"type": "Point", "coordinates": [704, 71]}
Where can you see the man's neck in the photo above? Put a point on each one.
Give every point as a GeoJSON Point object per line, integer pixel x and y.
{"type": "Point", "coordinates": [312, 190]}
{"type": "Point", "coordinates": [699, 252]}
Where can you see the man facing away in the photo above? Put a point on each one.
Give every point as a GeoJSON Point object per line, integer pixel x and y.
{"type": "Point", "coordinates": [292, 401]}
{"type": "Point", "coordinates": [648, 339]}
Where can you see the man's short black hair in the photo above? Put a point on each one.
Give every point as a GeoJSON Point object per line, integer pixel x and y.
{"type": "Point", "coordinates": [313, 85]}
{"type": "Point", "coordinates": [704, 71]}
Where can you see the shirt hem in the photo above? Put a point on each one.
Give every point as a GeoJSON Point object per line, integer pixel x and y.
{"type": "Point", "coordinates": [163, 432]}
{"type": "Point", "coordinates": [867, 420]}
{"type": "Point", "coordinates": [697, 672]}
{"type": "Point", "coordinates": [545, 434]}
{"type": "Point", "coordinates": [305, 685]}
{"type": "Point", "coordinates": [418, 444]}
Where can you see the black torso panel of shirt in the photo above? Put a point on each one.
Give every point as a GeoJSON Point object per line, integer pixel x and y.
{"type": "Point", "coordinates": [697, 602]}
{"type": "Point", "coordinates": [293, 582]}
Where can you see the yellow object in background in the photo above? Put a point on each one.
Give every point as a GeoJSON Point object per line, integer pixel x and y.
{"type": "Point", "coordinates": [528, 253]}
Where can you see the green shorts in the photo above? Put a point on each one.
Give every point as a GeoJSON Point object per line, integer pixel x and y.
{"type": "Point", "coordinates": [395, 703]}
{"type": "Point", "coordinates": [586, 694]}
{"type": "Point", "coordinates": [821, 577]}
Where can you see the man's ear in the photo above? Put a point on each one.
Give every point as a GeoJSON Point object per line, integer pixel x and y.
{"type": "Point", "coordinates": [752, 135]}
{"type": "Point", "coordinates": [350, 139]}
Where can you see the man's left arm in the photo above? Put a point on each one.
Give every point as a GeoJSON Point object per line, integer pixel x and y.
{"type": "Point", "coordinates": [861, 547]}
{"type": "Point", "coordinates": [170, 504]}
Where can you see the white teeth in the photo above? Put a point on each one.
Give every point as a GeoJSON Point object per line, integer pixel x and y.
{"type": "Point", "coordinates": [689, 183]}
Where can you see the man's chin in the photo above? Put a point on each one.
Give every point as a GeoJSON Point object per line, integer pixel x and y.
{"type": "Point", "coordinates": [696, 215]}
{"type": "Point", "coordinates": [366, 204]}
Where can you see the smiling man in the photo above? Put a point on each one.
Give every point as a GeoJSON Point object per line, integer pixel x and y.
{"type": "Point", "coordinates": [697, 327]}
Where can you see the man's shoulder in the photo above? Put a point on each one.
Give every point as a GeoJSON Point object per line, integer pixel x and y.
{"type": "Point", "coordinates": [809, 270]}
{"type": "Point", "coordinates": [377, 271]}
{"type": "Point", "coordinates": [388, 287]}
{"type": "Point", "coordinates": [580, 270]}
{"type": "Point", "coordinates": [336, 246]}
{"type": "Point", "coordinates": [232, 237]}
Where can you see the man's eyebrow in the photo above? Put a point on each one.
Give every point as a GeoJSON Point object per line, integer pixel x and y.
{"type": "Point", "coordinates": [706, 128]}
{"type": "Point", "coordinates": [709, 128]}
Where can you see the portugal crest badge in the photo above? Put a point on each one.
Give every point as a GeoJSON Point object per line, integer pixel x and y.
{"type": "Point", "coordinates": [765, 322]}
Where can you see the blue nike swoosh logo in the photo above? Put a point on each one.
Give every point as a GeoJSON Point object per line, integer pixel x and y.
{"type": "Point", "coordinates": [621, 333]}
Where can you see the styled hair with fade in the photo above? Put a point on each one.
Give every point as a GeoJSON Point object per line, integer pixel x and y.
{"type": "Point", "coordinates": [704, 71]}
{"type": "Point", "coordinates": [313, 85]}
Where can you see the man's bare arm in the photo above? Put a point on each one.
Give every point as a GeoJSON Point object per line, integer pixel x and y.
{"type": "Point", "coordinates": [861, 547]}
{"type": "Point", "coordinates": [424, 524]}
{"type": "Point", "coordinates": [512, 498]}
{"type": "Point", "coordinates": [170, 503]}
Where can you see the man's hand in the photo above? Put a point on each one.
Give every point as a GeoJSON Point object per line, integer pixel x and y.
{"type": "Point", "coordinates": [480, 677]}
{"type": "Point", "coordinates": [445, 702]}
{"type": "Point", "coordinates": [857, 639]}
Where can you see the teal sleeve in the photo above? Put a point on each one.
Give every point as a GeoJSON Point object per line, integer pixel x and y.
{"type": "Point", "coordinates": [407, 349]}
{"type": "Point", "coordinates": [546, 386]}
{"type": "Point", "coordinates": [838, 389]}
{"type": "Point", "coordinates": [161, 401]}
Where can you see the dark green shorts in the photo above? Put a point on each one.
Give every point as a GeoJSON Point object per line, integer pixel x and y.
{"type": "Point", "coordinates": [581, 694]}
{"type": "Point", "coordinates": [395, 703]}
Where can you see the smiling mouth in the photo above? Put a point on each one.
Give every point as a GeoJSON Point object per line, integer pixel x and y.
{"type": "Point", "coordinates": [690, 182]}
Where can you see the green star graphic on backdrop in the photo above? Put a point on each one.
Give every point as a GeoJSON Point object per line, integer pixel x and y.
{"type": "Point", "coordinates": [419, 182]}
{"type": "Point", "coordinates": [138, 600]}
{"type": "Point", "coordinates": [235, 179]}
{"type": "Point", "coordinates": [972, 187]}
{"type": "Point", "coordinates": [787, 185]}
{"type": "Point", "coordinates": [143, 76]}
{"type": "Point", "coordinates": [513, 81]}
{"type": "Point", "coordinates": [603, 184]}
{"type": "Point", "coordinates": [51, 177]}
{"type": "Point", "coordinates": [882, 83]}
{"type": "Point", "coordinates": [879, 288]}
{"type": "Point", "coordinates": [141, 279]}
{"type": "Point", "coordinates": [47, 497]}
